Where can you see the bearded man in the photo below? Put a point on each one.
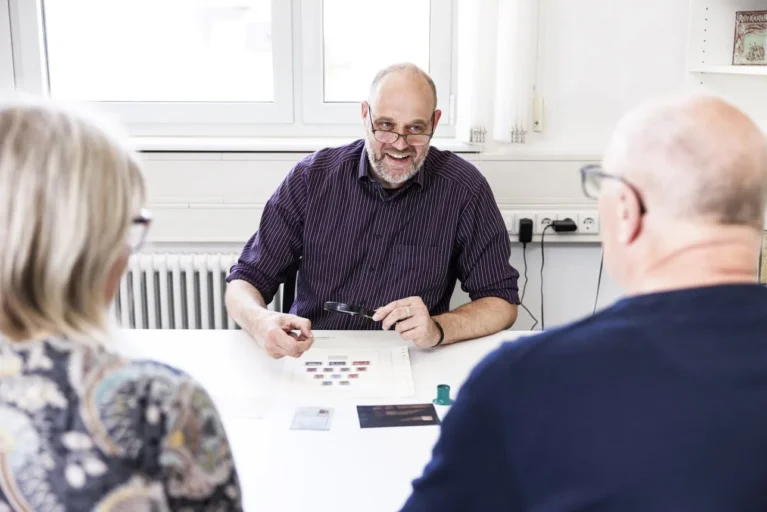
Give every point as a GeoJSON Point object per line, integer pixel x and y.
{"type": "Point", "coordinates": [388, 224]}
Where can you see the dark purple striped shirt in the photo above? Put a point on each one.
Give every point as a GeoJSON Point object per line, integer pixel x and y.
{"type": "Point", "coordinates": [361, 244]}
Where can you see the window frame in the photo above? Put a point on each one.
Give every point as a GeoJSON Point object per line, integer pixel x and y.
{"type": "Point", "coordinates": [316, 111]}
{"type": "Point", "coordinates": [32, 76]}
{"type": "Point", "coordinates": [291, 116]}
{"type": "Point", "coordinates": [7, 74]}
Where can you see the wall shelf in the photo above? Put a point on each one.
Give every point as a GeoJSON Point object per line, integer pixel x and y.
{"type": "Point", "coordinates": [711, 33]}
{"type": "Point", "coordinates": [732, 70]}
{"type": "Point", "coordinates": [710, 69]}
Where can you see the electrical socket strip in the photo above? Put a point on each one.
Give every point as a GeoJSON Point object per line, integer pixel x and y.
{"type": "Point", "coordinates": [586, 220]}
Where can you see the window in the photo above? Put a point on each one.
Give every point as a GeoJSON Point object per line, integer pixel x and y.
{"type": "Point", "coordinates": [357, 42]}
{"type": "Point", "coordinates": [138, 59]}
{"type": "Point", "coordinates": [160, 63]}
{"type": "Point", "coordinates": [346, 41]}
{"type": "Point", "coordinates": [227, 67]}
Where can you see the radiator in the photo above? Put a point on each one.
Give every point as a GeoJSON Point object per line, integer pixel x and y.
{"type": "Point", "coordinates": [176, 291]}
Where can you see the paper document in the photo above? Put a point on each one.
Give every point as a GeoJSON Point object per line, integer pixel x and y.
{"type": "Point", "coordinates": [350, 372]}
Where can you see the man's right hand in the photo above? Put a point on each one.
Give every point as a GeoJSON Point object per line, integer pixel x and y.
{"type": "Point", "coordinates": [275, 332]}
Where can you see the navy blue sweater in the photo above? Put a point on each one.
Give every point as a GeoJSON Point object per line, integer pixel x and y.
{"type": "Point", "coordinates": [658, 403]}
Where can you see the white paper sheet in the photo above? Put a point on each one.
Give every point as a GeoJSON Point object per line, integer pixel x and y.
{"type": "Point", "coordinates": [347, 372]}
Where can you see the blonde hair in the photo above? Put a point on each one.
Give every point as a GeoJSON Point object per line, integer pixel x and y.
{"type": "Point", "coordinates": [69, 189]}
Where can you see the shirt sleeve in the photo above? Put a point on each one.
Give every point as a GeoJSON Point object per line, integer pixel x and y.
{"type": "Point", "coordinates": [484, 250]}
{"type": "Point", "coordinates": [277, 245]}
{"type": "Point", "coordinates": [467, 469]}
{"type": "Point", "coordinates": [196, 465]}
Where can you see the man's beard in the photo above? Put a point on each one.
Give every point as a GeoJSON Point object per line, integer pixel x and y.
{"type": "Point", "coordinates": [390, 176]}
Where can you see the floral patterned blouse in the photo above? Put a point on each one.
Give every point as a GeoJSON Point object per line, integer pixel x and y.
{"type": "Point", "coordinates": [84, 429]}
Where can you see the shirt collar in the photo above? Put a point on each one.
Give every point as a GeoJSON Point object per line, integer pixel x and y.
{"type": "Point", "coordinates": [363, 172]}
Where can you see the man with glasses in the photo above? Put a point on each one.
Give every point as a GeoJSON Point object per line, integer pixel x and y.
{"type": "Point", "coordinates": [658, 401]}
{"type": "Point", "coordinates": [385, 226]}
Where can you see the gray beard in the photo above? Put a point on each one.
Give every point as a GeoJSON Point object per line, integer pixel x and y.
{"type": "Point", "coordinates": [381, 171]}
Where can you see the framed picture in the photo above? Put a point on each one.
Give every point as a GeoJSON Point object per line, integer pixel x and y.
{"type": "Point", "coordinates": [750, 42]}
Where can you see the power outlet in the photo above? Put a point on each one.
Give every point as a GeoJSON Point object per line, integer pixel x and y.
{"type": "Point", "coordinates": [588, 223]}
{"type": "Point", "coordinates": [542, 220]}
{"type": "Point", "coordinates": [510, 220]}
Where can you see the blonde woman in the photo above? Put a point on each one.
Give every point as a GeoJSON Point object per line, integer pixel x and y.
{"type": "Point", "coordinates": [82, 428]}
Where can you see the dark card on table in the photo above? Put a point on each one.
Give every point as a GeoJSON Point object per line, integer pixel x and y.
{"type": "Point", "coordinates": [407, 415]}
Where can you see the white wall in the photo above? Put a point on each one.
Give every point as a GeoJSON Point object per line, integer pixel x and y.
{"type": "Point", "coordinates": [569, 283]}
{"type": "Point", "coordinates": [600, 57]}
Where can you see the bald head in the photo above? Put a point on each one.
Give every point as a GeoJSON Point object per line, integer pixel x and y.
{"type": "Point", "coordinates": [403, 77]}
{"type": "Point", "coordinates": [695, 158]}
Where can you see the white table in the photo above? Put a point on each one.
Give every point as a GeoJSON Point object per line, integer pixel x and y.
{"type": "Point", "coordinates": [291, 470]}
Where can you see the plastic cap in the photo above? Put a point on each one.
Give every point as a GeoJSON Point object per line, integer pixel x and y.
{"type": "Point", "coordinates": [443, 395]}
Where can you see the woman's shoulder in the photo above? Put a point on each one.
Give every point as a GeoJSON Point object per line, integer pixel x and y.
{"type": "Point", "coordinates": [164, 416]}
{"type": "Point", "coordinates": [119, 398]}
{"type": "Point", "coordinates": [132, 407]}
{"type": "Point", "coordinates": [125, 418]}
{"type": "Point", "coordinates": [103, 377]}
{"type": "Point", "coordinates": [98, 373]}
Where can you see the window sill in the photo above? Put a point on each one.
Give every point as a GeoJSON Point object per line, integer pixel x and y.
{"type": "Point", "coordinates": [263, 144]}
{"type": "Point", "coordinates": [535, 151]}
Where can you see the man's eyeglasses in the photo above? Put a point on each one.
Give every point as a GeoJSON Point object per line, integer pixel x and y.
{"type": "Point", "coordinates": [592, 177]}
{"type": "Point", "coordinates": [390, 137]}
{"type": "Point", "coordinates": [139, 229]}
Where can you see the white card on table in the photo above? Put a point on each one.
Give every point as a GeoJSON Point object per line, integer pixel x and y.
{"type": "Point", "coordinates": [312, 418]}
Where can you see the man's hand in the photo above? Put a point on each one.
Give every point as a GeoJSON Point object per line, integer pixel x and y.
{"type": "Point", "coordinates": [413, 321]}
{"type": "Point", "coordinates": [275, 333]}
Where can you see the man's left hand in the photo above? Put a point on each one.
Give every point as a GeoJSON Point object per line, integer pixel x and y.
{"type": "Point", "coordinates": [413, 321]}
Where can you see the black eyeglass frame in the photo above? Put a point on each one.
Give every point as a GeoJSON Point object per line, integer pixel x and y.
{"type": "Point", "coordinates": [596, 170]}
{"type": "Point", "coordinates": [398, 135]}
{"type": "Point", "coordinates": [144, 219]}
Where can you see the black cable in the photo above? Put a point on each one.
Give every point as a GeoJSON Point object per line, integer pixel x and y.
{"type": "Point", "coordinates": [543, 233]}
{"type": "Point", "coordinates": [524, 262]}
{"type": "Point", "coordinates": [599, 281]}
{"type": "Point", "coordinates": [524, 288]}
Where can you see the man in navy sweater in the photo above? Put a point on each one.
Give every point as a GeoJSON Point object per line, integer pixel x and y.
{"type": "Point", "coordinates": [658, 402]}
